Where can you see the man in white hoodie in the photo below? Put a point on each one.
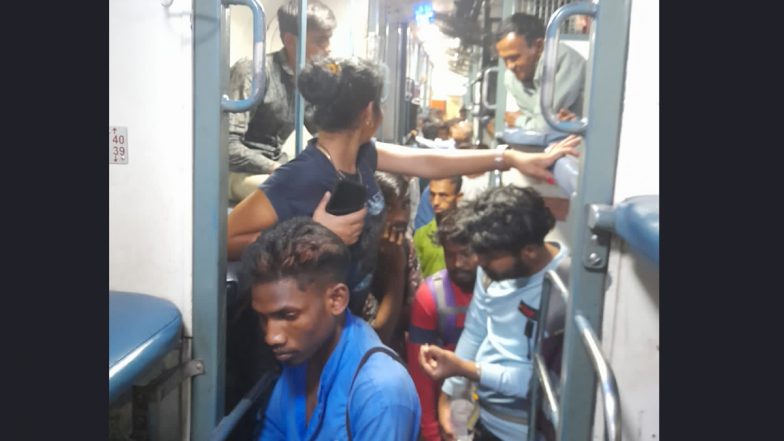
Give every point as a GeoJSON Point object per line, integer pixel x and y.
{"type": "Point", "coordinates": [507, 227]}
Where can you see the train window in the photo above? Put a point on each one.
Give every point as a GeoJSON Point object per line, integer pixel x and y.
{"type": "Point", "coordinates": [544, 9]}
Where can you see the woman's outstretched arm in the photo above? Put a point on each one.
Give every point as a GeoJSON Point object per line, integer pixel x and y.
{"type": "Point", "coordinates": [434, 164]}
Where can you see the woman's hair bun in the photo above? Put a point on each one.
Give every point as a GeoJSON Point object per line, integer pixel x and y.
{"type": "Point", "coordinates": [319, 81]}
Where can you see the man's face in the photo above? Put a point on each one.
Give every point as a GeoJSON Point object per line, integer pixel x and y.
{"type": "Point", "coordinates": [519, 57]}
{"type": "Point", "coordinates": [502, 265]}
{"type": "Point", "coordinates": [461, 265]}
{"type": "Point", "coordinates": [398, 215]}
{"type": "Point", "coordinates": [296, 323]}
{"type": "Point", "coordinates": [443, 196]}
{"type": "Point", "coordinates": [317, 44]}
{"type": "Point", "coordinates": [461, 132]}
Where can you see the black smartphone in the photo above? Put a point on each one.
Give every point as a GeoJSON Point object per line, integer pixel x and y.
{"type": "Point", "coordinates": [347, 197]}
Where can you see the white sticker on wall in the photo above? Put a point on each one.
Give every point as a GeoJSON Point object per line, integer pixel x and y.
{"type": "Point", "coordinates": [118, 145]}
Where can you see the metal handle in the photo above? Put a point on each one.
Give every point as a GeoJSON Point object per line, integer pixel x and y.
{"type": "Point", "coordinates": [547, 387]}
{"type": "Point", "coordinates": [556, 280]}
{"type": "Point", "coordinates": [548, 68]}
{"type": "Point", "coordinates": [485, 85]}
{"type": "Point", "coordinates": [259, 30]}
{"type": "Point", "coordinates": [611, 398]}
{"type": "Point", "coordinates": [230, 421]}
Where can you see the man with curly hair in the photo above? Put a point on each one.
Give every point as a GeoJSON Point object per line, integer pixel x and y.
{"type": "Point", "coordinates": [507, 228]}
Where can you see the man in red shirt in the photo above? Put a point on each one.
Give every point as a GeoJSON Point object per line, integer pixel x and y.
{"type": "Point", "coordinates": [438, 314]}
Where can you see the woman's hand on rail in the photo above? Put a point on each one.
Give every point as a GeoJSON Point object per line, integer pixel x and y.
{"type": "Point", "coordinates": [348, 227]}
{"type": "Point", "coordinates": [536, 164]}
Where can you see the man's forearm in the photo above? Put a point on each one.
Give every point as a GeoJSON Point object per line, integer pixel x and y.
{"type": "Point", "coordinates": [468, 369]}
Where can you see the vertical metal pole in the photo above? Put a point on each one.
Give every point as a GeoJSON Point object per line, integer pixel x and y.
{"type": "Point", "coordinates": [402, 105]}
{"type": "Point", "coordinates": [299, 102]}
{"type": "Point", "coordinates": [468, 98]}
{"type": "Point", "coordinates": [210, 170]}
{"type": "Point", "coordinates": [374, 33]}
{"type": "Point", "coordinates": [500, 97]}
{"type": "Point", "coordinates": [428, 87]}
{"type": "Point", "coordinates": [590, 251]}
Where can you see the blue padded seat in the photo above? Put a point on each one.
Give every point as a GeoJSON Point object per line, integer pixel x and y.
{"type": "Point", "coordinates": [142, 330]}
{"type": "Point", "coordinates": [637, 222]}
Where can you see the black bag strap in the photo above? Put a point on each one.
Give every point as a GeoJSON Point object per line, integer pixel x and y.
{"type": "Point", "coordinates": [362, 362]}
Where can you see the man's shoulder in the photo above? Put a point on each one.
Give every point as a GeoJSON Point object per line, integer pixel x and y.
{"type": "Point", "coordinates": [566, 52]}
{"type": "Point", "coordinates": [243, 65]}
{"type": "Point", "coordinates": [384, 378]}
{"type": "Point", "coordinates": [424, 230]}
{"type": "Point", "coordinates": [424, 295]}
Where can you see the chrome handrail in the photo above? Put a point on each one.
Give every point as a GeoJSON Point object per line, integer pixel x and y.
{"type": "Point", "coordinates": [486, 85]}
{"type": "Point", "coordinates": [547, 387]}
{"type": "Point", "coordinates": [549, 58]}
{"type": "Point", "coordinates": [259, 79]}
{"type": "Point", "coordinates": [611, 397]}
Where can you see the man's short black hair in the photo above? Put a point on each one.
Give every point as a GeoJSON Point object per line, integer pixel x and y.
{"type": "Point", "coordinates": [450, 231]}
{"type": "Point", "coordinates": [524, 25]}
{"type": "Point", "coordinates": [320, 17]}
{"type": "Point", "coordinates": [298, 248]}
{"type": "Point", "coordinates": [430, 130]}
{"type": "Point", "coordinates": [457, 182]}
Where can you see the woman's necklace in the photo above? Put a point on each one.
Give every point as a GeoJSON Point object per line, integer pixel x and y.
{"type": "Point", "coordinates": [340, 173]}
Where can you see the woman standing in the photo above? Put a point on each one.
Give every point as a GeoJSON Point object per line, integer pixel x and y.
{"type": "Point", "coordinates": [346, 94]}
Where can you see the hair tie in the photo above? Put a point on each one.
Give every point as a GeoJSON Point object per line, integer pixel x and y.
{"type": "Point", "coordinates": [333, 68]}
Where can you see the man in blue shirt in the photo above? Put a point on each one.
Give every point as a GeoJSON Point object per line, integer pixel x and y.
{"type": "Point", "coordinates": [297, 274]}
{"type": "Point", "coordinates": [507, 227]}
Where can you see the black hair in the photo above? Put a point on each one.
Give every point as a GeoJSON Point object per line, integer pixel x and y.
{"type": "Point", "coordinates": [524, 25]}
{"type": "Point", "coordinates": [320, 17]}
{"type": "Point", "coordinates": [430, 129]}
{"type": "Point", "coordinates": [393, 186]}
{"type": "Point", "coordinates": [457, 182]}
{"type": "Point", "coordinates": [298, 248]}
{"type": "Point", "coordinates": [450, 230]}
{"type": "Point", "coordinates": [507, 219]}
{"type": "Point", "coordinates": [340, 89]}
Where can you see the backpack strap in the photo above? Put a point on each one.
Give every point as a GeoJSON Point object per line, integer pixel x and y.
{"type": "Point", "coordinates": [362, 362]}
{"type": "Point", "coordinates": [446, 307]}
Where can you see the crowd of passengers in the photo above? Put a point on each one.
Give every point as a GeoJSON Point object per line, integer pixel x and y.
{"type": "Point", "coordinates": [376, 320]}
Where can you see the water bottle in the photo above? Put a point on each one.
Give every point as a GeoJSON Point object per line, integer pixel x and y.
{"type": "Point", "coordinates": [460, 410]}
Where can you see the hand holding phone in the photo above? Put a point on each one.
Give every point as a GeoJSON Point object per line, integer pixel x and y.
{"type": "Point", "coordinates": [347, 197]}
{"type": "Point", "coordinates": [348, 226]}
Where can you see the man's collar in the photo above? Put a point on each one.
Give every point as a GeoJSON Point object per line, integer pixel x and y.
{"type": "Point", "coordinates": [284, 61]}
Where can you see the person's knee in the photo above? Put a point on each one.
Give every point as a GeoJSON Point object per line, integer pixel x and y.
{"type": "Point", "coordinates": [243, 184]}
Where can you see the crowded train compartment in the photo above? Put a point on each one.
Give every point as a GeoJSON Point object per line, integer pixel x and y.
{"type": "Point", "coordinates": [175, 339]}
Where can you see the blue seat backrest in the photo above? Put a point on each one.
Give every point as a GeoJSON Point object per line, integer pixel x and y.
{"type": "Point", "coordinates": [142, 330]}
